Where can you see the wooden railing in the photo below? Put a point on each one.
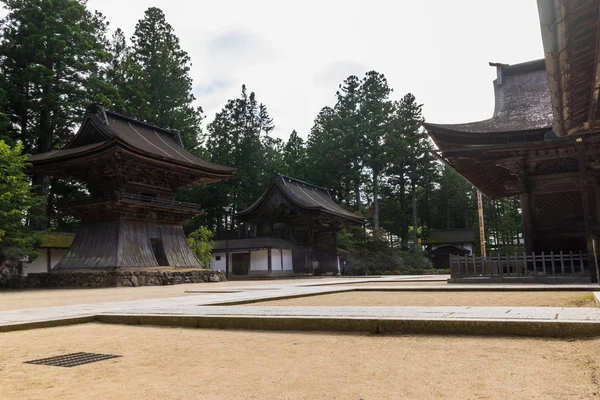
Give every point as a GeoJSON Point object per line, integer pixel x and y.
{"type": "Point", "coordinates": [543, 265]}
{"type": "Point", "coordinates": [162, 202]}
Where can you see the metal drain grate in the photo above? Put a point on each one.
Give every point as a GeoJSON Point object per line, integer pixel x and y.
{"type": "Point", "coordinates": [73, 359]}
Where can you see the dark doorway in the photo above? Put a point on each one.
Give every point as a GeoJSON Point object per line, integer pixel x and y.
{"type": "Point", "coordinates": [159, 252]}
{"type": "Point", "coordinates": [240, 263]}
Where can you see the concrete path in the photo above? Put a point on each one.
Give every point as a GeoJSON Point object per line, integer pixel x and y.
{"type": "Point", "coordinates": [210, 310]}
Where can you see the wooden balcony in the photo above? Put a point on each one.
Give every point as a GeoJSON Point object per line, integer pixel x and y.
{"type": "Point", "coordinates": [551, 268]}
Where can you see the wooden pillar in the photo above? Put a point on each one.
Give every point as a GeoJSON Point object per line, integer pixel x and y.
{"type": "Point", "coordinates": [587, 215]}
{"type": "Point", "coordinates": [281, 253]}
{"type": "Point", "coordinates": [48, 259]}
{"type": "Point", "coordinates": [269, 260]}
{"type": "Point", "coordinates": [527, 221]}
{"type": "Point", "coordinates": [335, 252]}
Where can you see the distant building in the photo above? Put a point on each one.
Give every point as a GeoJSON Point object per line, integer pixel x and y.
{"type": "Point", "coordinates": [443, 243]}
{"type": "Point", "coordinates": [53, 248]}
{"type": "Point", "coordinates": [291, 229]}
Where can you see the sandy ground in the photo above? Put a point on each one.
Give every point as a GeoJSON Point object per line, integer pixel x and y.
{"type": "Point", "coordinates": [489, 299]}
{"type": "Point", "coordinates": [174, 363]}
{"type": "Point", "coordinates": [15, 300]}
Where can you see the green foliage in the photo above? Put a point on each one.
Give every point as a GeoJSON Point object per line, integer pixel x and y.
{"type": "Point", "coordinates": [16, 199]}
{"type": "Point", "coordinates": [200, 241]}
{"type": "Point", "coordinates": [50, 51]}
{"type": "Point", "coordinates": [153, 78]}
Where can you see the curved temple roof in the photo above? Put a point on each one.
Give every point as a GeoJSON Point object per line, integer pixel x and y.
{"type": "Point", "coordinates": [522, 102]}
{"type": "Point", "coordinates": [102, 127]}
{"type": "Point", "coordinates": [305, 196]}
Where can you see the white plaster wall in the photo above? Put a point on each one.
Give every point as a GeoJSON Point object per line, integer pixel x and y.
{"type": "Point", "coordinates": [469, 247]}
{"type": "Point", "coordinates": [259, 261]}
{"type": "Point", "coordinates": [276, 260]}
{"type": "Point", "coordinates": [40, 264]}
{"type": "Point", "coordinates": [218, 265]}
{"type": "Point", "coordinates": [287, 261]}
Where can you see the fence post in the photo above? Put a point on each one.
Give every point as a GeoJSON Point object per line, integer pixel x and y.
{"type": "Point", "coordinates": [562, 263]}
{"type": "Point", "coordinates": [572, 262]}
{"type": "Point", "coordinates": [474, 264]}
{"type": "Point", "coordinates": [552, 259]}
{"type": "Point", "coordinates": [581, 261]}
{"type": "Point", "coordinates": [526, 266]}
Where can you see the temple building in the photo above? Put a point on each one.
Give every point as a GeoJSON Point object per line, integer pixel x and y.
{"type": "Point", "coordinates": [290, 229]}
{"type": "Point", "coordinates": [131, 170]}
{"type": "Point", "coordinates": [540, 143]}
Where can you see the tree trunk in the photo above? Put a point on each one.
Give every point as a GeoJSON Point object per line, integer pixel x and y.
{"type": "Point", "coordinates": [357, 194]}
{"type": "Point", "coordinates": [40, 181]}
{"type": "Point", "coordinates": [414, 215]}
{"type": "Point", "coordinates": [403, 214]}
{"type": "Point", "coordinates": [375, 199]}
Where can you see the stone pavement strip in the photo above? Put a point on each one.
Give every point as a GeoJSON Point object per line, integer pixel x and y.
{"type": "Point", "coordinates": [216, 308]}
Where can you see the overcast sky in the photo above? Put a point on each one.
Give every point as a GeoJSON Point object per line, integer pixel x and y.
{"type": "Point", "coordinates": [294, 54]}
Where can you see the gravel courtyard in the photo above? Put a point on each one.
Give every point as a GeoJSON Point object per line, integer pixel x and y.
{"type": "Point", "coordinates": [173, 363]}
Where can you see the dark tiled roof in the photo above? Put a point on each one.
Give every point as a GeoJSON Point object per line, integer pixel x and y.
{"type": "Point", "coordinates": [447, 237]}
{"type": "Point", "coordinates": [305, 196]}
{"type": "Point", "coordinates": [55, 154]}
{"type": "Point", "coordinates": [146, 138]}
{"type": "Point", "coordinates": [522, 102]}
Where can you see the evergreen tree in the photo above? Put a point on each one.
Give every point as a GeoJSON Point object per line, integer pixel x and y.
{"type": "Point", "coordinates": [153, 79]}
{"type": "Point", "coordinates": [16, 199]}
{"type": "Point", "coordinates": [294, 157]}
{"type": "Point", "coordinates": [51, 57]}
{"type": "Point", "coordinates": [238, 137]}
{"type": "Point", "coordinates": [375, 115]}
{"type": "Point", "coordinates": [351, 131]}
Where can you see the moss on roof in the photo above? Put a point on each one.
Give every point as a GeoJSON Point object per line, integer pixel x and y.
{"type": "Point", "coordinates": [57, 240]}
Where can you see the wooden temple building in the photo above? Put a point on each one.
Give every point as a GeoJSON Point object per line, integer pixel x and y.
{"type": "Point", "coordinates": [131, 170]}
{"type": "Point", "coordinates": [541, 145]}
{"type": "Point", "coordinates": [290, 229]}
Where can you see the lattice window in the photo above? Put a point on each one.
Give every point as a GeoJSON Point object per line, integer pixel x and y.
{"type": "Point", "coordinates": [556, 208]}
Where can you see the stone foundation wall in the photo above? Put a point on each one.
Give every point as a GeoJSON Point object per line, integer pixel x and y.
{"type": "Point", "coordinates": [120, 278]}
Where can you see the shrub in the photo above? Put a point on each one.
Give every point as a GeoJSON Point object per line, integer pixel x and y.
{"type": "Point", "coordinates": [396, 272]}
{"type": "Point", "coordinates": [377, 272]}
{"type": "Point", "coordinates": [200, 241]}
{"type": "Point", "coordinates": [387, 272]}
{"type": "Point", "coordinates": [11, 273]}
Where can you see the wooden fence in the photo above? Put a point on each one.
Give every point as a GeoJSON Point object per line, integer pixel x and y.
{"type": "Point", "coordinates": [531, 265]}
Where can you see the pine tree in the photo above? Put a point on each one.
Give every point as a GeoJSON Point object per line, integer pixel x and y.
{"type": "Point", "coordinates": [294, 157]}
{"type": "Point", "coordinates": [347, 109]}
{"type": "Point", "coordinates": [375, 116]}
{"type": "Point", "coordinates": [153, 78]}
{"type": "Point", "coordinates": [51, 56]}
{"type": "Point", "coordinates": [238, 137]}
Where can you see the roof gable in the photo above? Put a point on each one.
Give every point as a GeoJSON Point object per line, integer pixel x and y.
{"type": "Point", "coordinates": [522, 102]}
{"type": "Point", "coordinates": [303, 195]}
{"type": "Point", "coordinates": [102, 127]}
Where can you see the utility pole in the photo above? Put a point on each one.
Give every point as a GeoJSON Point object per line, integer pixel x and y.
{"type": "Point", "coordinates": [481, 225]}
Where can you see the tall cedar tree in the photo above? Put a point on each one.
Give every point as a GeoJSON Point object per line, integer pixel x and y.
{"type": "Point", "coordinates": [375, 115]}
{"type": "Point", "coordinates": [51, 57]}
{"type": "Point", "coordinates": [294, 156]}
{"type": "Point", "coordinates": [238, 136]}
{"type": "Point", "coordinates": [153, 79]}
{"type": "Point", "coordinates": [348, 109]}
